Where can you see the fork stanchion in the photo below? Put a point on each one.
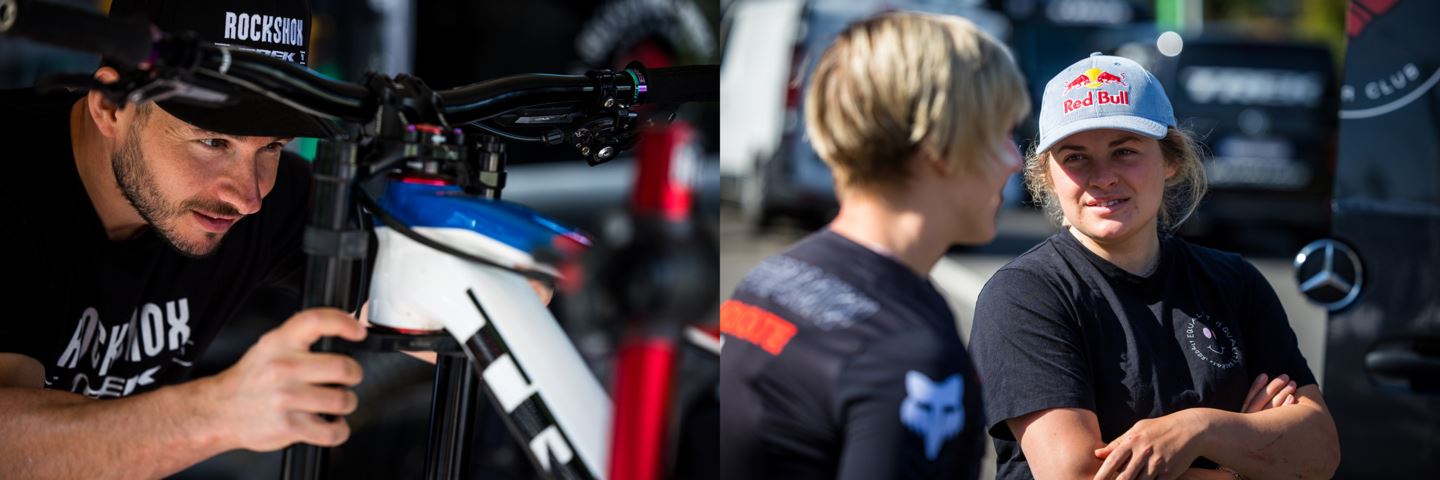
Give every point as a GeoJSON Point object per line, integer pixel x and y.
{"type": "Point", "coordinates": [333, 247]}
{"type": "Point", "coordinates": [452, 416]}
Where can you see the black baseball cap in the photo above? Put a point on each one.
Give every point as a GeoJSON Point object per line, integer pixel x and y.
{"type": "Point", "coordinates": [279, 28]}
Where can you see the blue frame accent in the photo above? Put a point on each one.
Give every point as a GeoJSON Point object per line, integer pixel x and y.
{"type": "Point", "coordinates": [418, 205]}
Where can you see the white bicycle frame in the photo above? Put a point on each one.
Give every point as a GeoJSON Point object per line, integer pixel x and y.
{"type": "Point", "coordinates": [528, 362]}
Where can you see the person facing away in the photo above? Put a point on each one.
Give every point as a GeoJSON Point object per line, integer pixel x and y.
{"type": "Point", "coordinates": [840, 358]}
{"type": "Point", "coordinates": [1114, 349]}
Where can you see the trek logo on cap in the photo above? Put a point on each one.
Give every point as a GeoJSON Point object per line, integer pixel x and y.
{"type": "Point", "coordinates": [1093, 79]}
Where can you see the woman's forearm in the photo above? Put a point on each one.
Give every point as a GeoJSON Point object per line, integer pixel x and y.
{"type": "Point", "coordinates": [1291, 441]}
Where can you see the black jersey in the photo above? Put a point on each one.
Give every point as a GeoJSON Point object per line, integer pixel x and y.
{"type": "Point", "coordinates": [839, 362]}
{"type": "Point", "coordinates": [110, 319]}
{"type": "Point", "coordinates": [1060, 327]}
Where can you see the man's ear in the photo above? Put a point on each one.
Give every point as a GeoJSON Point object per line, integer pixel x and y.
{"type": "Point", "coordinates": [104, 113]}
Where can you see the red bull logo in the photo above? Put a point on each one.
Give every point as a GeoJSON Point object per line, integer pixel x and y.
{"type": "Point", "coordinates": [1097, 98]}
{"type": "Point", "coordinates": [1093, 79]}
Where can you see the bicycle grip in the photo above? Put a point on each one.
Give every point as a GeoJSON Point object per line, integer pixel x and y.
{"type": "Point", "coordinates": [691, 83]}
{"type": "Point", "coordinates": [123, 40]}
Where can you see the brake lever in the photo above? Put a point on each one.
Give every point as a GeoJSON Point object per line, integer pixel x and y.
{"type": "Point", "coordinates": [603, 138]}
{"type": "Point", "coordinates": [664, 113]}
{"type": "Point", "coordinates": [618, 133]}
{"type": "Point", "coordinates": [598, 132]}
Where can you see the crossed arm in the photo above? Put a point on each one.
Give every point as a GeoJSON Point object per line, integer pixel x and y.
{"type": "Point", "coordinates": [1282, 431]}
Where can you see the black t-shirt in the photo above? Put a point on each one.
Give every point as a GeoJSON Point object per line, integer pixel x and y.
{"type": "Point", "coordinates": [110, 319]}
{"type": "Point", "coordinates": [1060, 327]}
{"type": "Point", "coordinates": [839, 362]}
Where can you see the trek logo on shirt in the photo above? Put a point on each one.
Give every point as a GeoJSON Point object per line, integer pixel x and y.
{"type": "Point", "coordinates": [1212, 341]}
{"type": "Point", "coordinates": [933, 410]}
{"type": "Point", "coordinates": [95, 348]}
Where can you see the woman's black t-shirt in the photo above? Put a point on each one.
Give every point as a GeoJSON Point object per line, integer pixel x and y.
{"type": "Point", "coordinates": [841, 363]}
{"type": "Point", "coordinates": [1060, 327]}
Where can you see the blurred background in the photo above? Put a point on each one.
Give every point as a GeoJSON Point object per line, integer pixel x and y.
{"type": "Point", "coordinates": [1319, 118]}
{"type": "Point", "coordinates": [450, 43]}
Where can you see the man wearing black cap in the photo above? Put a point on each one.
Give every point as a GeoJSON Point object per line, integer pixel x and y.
{"type": "Point", "coordinates": [137, 232]}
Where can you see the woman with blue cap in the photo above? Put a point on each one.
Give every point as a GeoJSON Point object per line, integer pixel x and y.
{"type": "Point", "coordinates": [1116, 350]}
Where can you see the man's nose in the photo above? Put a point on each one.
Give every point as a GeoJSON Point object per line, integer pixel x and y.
{"type": "Point", "coordinates": [240, 187]}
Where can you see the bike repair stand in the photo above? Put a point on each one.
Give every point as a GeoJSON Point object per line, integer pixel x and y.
{"type": "Point", "coordinates": [334, 247]}
{"type": "Point", "coordinates": [664, 279]}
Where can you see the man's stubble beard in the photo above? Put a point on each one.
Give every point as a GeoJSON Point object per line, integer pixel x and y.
{"type": "Point", "coordinates": [140, 189]}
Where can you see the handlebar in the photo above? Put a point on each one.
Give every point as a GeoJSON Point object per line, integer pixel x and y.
{"type": "Point", "coordinates": [294, 85]}
{"type": "Point", "coordinates": [133, 42]}
{"type": "Point", "coordinates": [690, 83]}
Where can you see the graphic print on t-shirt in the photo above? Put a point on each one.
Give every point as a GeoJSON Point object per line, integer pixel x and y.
{"type": "Point", "coordinates": [933, 409]}
{"type": "Point", "coordinates": [809, 292]}
{"type": "Point", "coordinates": [137, 348]}
{"type": "Point", "coordinates": [1212, 341]}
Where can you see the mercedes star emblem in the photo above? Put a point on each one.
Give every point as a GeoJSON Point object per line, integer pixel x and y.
{"type": "Point", "coordinates": [1329, 273]}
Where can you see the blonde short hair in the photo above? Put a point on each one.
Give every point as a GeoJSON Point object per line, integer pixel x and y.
{"type": "Point", "coordinates": [1183, 191]}
{"type": "Point", "coordinates": [902, 84]}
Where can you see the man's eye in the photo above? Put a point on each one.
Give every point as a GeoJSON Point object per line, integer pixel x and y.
{"type": "Point", "coordinates": [275, 146]}
{"type": "Point", "coordinates": [215, 143]}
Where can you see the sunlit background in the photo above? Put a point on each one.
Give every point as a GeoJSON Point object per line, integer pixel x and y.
{"type": "Point", "coordinates": [1263, 84]}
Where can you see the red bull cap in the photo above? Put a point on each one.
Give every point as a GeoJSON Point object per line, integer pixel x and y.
{"type": "Point", "coordinates": [1103, 91]}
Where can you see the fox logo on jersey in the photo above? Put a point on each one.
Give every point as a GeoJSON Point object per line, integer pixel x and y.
{"type": "Point", "coordinates": [933, 409]}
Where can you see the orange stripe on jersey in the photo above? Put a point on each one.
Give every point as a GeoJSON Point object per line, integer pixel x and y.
{"type": "Point", "coordinates": [755, 325]}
